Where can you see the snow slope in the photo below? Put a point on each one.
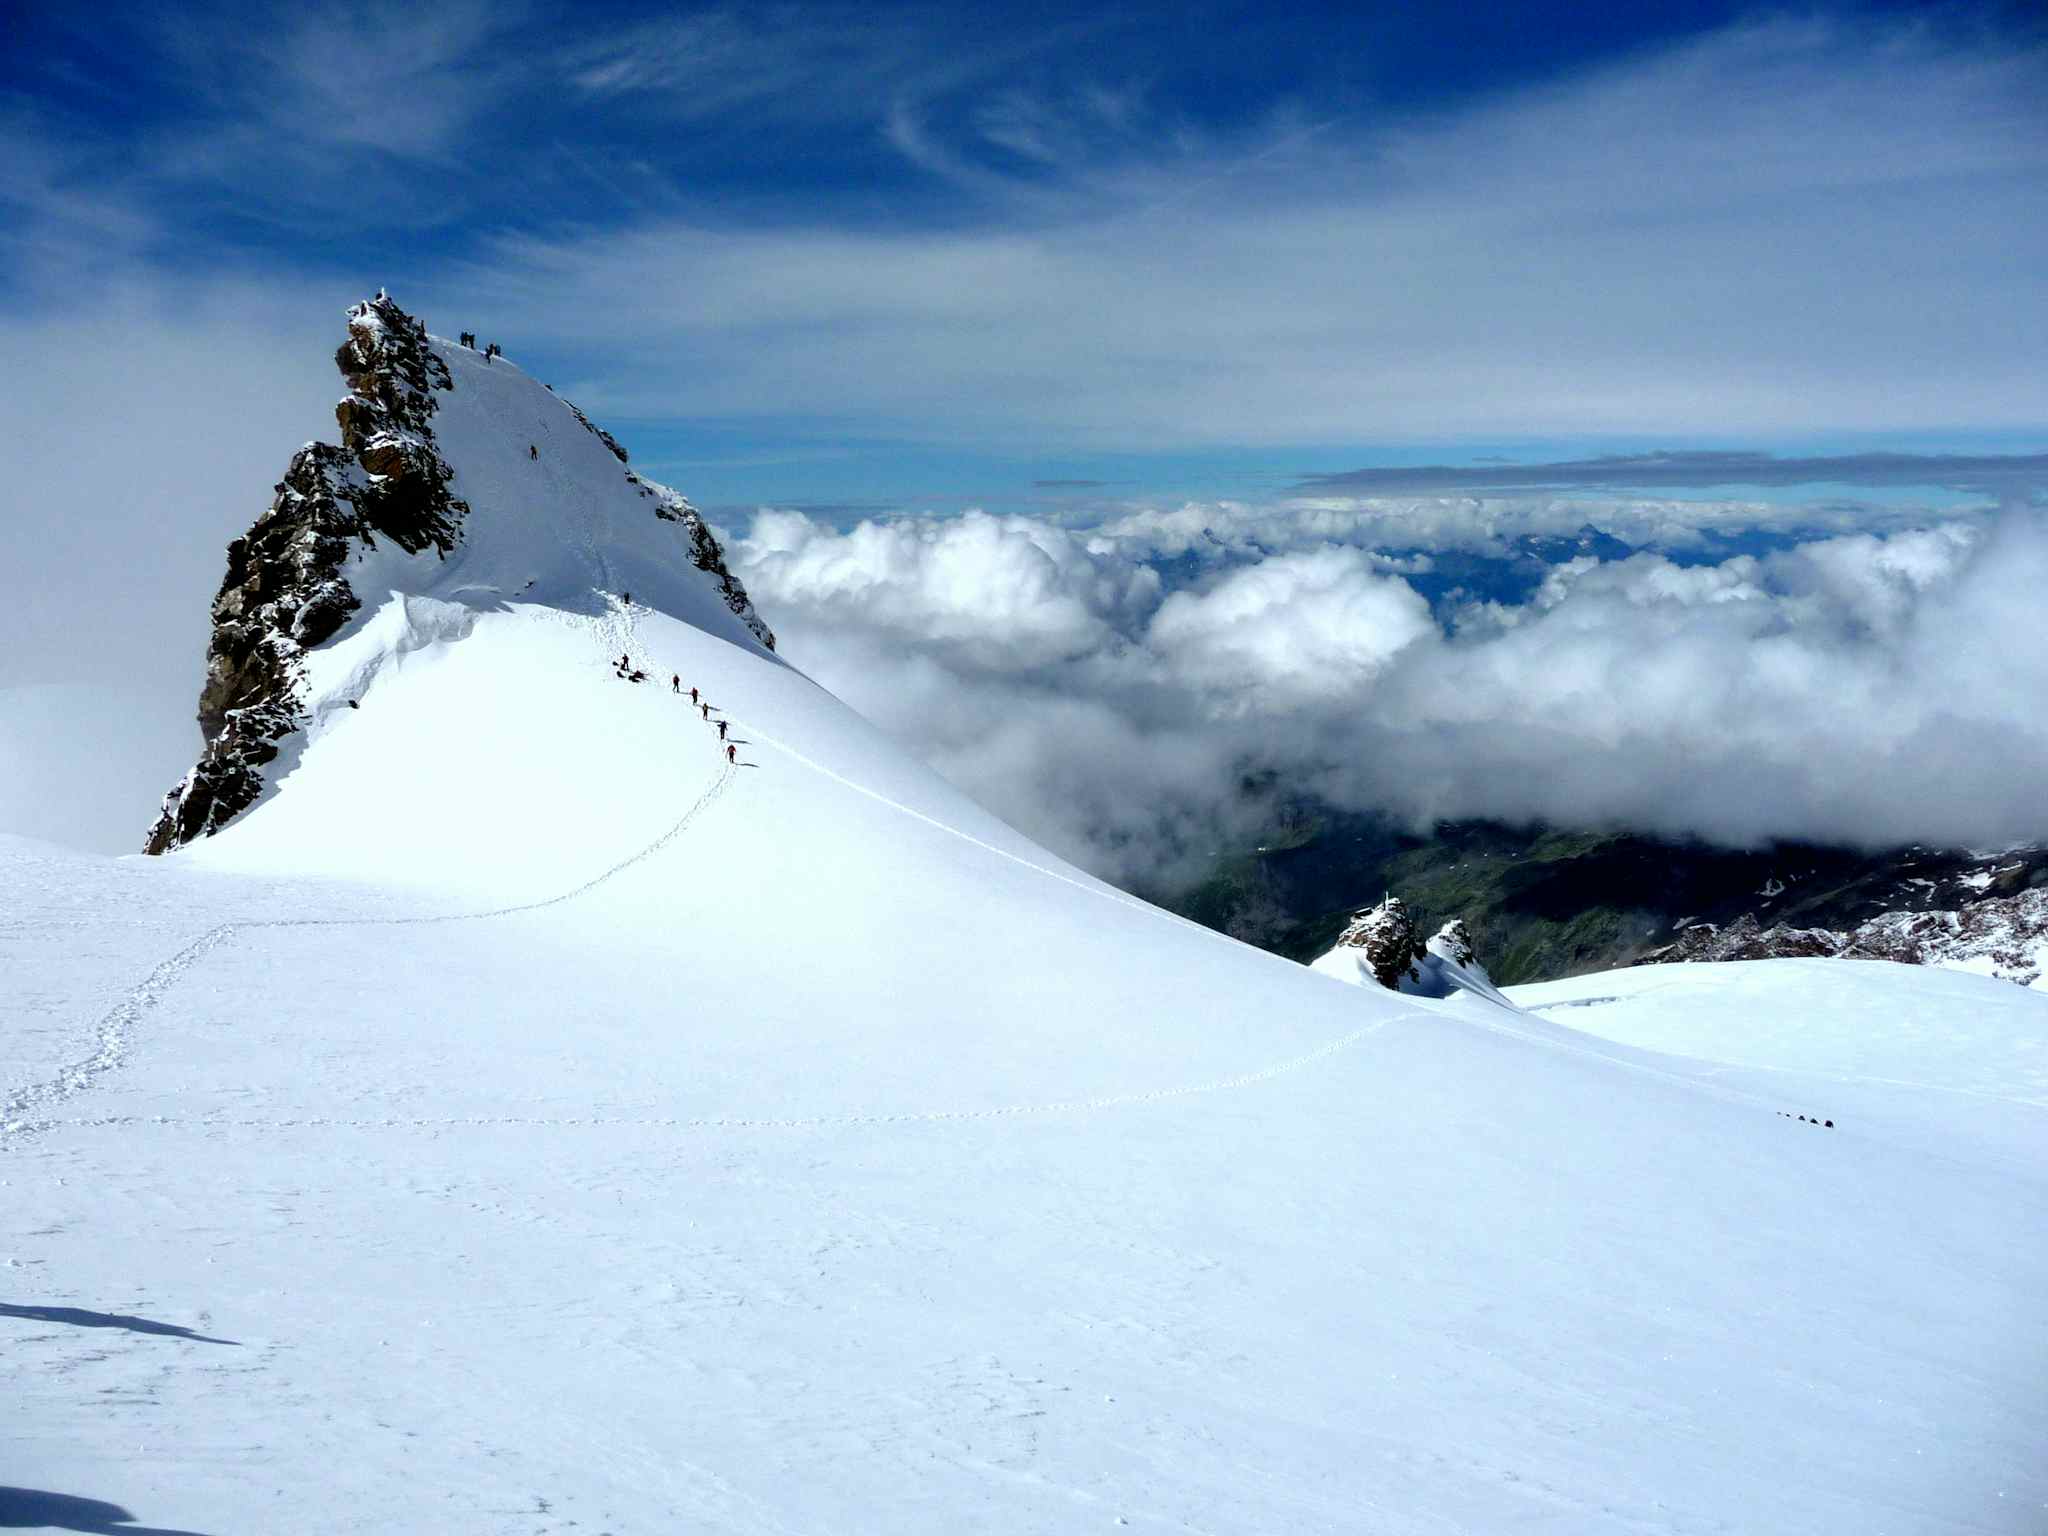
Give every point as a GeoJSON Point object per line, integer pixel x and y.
{"type": "Point", "coordinates": [525, 1122]}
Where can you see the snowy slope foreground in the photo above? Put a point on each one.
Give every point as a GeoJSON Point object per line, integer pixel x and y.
{"type": "Point", "coordinates": [527, 1120]}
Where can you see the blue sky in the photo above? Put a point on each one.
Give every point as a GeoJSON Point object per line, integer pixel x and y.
{"type": "Point", "coordinates": [871, 256]}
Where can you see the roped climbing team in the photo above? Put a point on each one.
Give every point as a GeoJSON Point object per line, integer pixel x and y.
{"type": "Point", "coordinates": [624, 670]}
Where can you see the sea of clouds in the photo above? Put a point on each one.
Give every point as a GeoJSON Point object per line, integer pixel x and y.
{"type": "Point", "coordinates": [1138, 687]}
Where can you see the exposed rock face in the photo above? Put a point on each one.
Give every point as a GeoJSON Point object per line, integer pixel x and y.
{"type": "Point", "coordinates": [2006, 936]}
{"type": "Point", "coordinates": [603, 436]}
{"type": "Point", "coordinates": [1392, 946]}
{"type": "Point", "coordinates": [1382, 945]}
{"type": "Point", "coordinates": [1745, 939]}
{"type": "Point", "coordinates": [1454, 942]}
{"type": "Point", "coordinates": [286, 590]}
{"type": "Point", "coordinates": [710, 559]}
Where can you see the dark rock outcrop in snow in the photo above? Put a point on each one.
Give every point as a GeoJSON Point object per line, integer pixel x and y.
{"type": "Point", "coordinates": [1454, 942]}
{"type": "Point", "coordinates": [1392, 953]}
{"type": "Point", "coordinates": [603, 436]}
{"type": "Point", "coordinates": [710, 559]}
{"type": "Point", "coordinates": [1390, 939]}
{"type": "Point", "coordinates": [1745, 939]}
{"type": "Point", "coordinates": [286, 589]}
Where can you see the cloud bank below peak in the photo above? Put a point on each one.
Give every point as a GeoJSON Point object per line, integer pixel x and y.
{"type": "Point", "coordinates": [1862, 688]}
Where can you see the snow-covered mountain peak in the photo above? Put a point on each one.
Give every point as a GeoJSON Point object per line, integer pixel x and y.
{"type": "Point", "coordinates": [460, 486]}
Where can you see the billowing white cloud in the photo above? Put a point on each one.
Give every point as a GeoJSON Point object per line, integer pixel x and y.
{"type": "Point", "coordinates": [1295, 626]}
{"type": "Point", "coordinates": [1016, 590]}
{"type": "Point", "coordinates": [1857, 688]}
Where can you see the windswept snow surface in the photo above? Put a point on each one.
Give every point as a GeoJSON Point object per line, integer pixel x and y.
{"type": "Point", "coordinates": [525, 1122]}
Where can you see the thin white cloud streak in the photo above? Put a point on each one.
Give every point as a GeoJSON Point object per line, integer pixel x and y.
{"type": "Point", "coordinates": [1778, 229]}
{"type": "Point", "coordinates": [1859, 688]}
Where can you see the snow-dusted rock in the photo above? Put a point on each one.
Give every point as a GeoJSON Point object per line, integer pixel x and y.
{"type": "Point", "coordinates": [1388, 942]}
{"type": "Point", "coordinates": [2002, 936]}
{"type": "Point", "coordinates": [1383, 946]}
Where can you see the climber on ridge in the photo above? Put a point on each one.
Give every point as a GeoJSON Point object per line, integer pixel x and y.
{"type": "Point", "coordinates": [675, 683]}
{"type": "Point", "coordinates": [707, 710]}
{"type": "Point", "coordinates": [532, 452]}
{"type": "Point", "coordinates": [721, 730]}
{"type": "Point", "coordinates": [693, 695]}
{"type": "Point", "coordinates": [732, 754]}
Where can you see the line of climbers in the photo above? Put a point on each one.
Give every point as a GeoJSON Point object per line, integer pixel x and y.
{"type": "Point", "coordinates": [468, 339]}
{"type": "Point", "coordinates": [624, 670]}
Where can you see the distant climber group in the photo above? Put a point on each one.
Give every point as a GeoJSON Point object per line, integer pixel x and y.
{"type": "Point", "coordinates": [468, 339]}
{"type": "Point", "coordinates": [624, 670]}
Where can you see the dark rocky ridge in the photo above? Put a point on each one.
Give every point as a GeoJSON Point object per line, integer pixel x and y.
{"type": "Point", "coordinates": [2008, 935]}
{"type": "Point", "coordinates": [285, 591]}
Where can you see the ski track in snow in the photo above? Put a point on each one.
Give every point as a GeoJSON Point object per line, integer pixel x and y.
{"type": "Point", "coordinates": [118, 1024]}
{"type": "Point", "coordinates": [115, 1028]}
{"type": "Point", "coordinates": [1250, 1079]}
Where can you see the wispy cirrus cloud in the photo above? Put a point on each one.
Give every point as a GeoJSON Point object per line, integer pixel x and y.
{"type": "Point", "coordinates": [1736, 237]}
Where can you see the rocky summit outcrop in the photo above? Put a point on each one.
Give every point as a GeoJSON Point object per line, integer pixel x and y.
{"type": "Point", "coordinates": [1391, 942]}
{"type": "Point", "coordinates": [388, 487]}
{"type": "Point", "coordinates": [2003, 936]}
{"type": "Point", "coordinates": [1384, 945]}
{"type": "Point", "coordinates": [285, 591]}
